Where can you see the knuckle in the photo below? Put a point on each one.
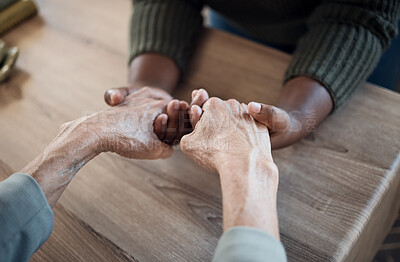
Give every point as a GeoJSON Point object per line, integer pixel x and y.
{"type": "Point", "coordinates": [203, 93]}
{"type": "Point", "coordinates": [272, 171]}
{"type": "Point", "coordinates": [145, 89]}
{"type": "Point", "coordinates": [272, 112]}
{"type": "Point", "coordinates": [213, 101]}
{"type": "Point", "coordinates": [65, 126]}
{"type": "Point", "coordinates": [233, 102]}
{"type": "Point", "coordinates": [160, 103]}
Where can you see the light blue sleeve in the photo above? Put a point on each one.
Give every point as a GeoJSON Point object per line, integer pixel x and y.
{"type": "Point", "coordinates": [26, 219]}
{"type": "Point", "coordinates": [240, 244]}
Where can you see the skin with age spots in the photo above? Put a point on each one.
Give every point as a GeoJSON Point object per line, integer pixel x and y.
{"type": "Point", "coordinates": [73, 169]}
{"type": "Point", "coordinates": [225, 129]}
{"type": "Point", "coordinates": [227, 140]}
{"type": "Point", "coordinates": [126, 129]}
{"type": "Point", "coordinates": [288, 121]}
{"type": "Point", "coordinates": [171, 124]}
{"type": "Point", "coordinates": [133, 121]}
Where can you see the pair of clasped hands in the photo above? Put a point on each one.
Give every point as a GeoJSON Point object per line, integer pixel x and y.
{"type": "Point", "coordinates": [221, 129]}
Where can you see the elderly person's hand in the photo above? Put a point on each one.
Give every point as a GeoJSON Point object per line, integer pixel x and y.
{"type": "Point", "coordinates": [229, 141]}
{"type": "Point", "coordinates": [225, 133]}
{"type": "Point", "coordinates": [126, 129]}
{"type": "Point", "coordinates": [174, 122]}
{"type": "Point", "coordinates": [170, 125]}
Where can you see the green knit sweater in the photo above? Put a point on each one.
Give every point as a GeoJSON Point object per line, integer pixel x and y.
{"type": "Point", "coordinates": [339, 42]}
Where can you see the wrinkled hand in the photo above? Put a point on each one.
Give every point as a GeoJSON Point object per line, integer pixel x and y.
{"type": "Point", "coordinates": [225, 133]}
{"type": "Point", "coordinates": [169, 126]}
{"type": "Point", "coordinates": [199, 97]}
{"type": "Point", "coordinates": [281, 125]}
{"type": "Point", "coordinates": [127, 128]}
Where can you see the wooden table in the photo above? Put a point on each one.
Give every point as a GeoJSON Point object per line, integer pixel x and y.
{"type": "Point", "coordinates": [339, 187]}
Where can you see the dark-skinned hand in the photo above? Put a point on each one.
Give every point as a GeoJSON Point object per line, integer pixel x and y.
{"type": "Point", "coordinates": [174, 122]}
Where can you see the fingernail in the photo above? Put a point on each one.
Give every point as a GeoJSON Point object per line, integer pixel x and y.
{"type": "Point", "coordinates": [194, 93]}
{"type": "Point", "coordinates": [196, 109]}
{"type": "Point", "coordinates": [176, 105]}
{"type": "Point", "coordinates": [184, 106]}
{"type": "Point", "coordinates": [164, 121]}
{"type": "Point", "coordinates": [111, 94]}
{"type": "Point", "coordinates": [255, 107]}
{"type": "Point", "coordinates": [196, 97]}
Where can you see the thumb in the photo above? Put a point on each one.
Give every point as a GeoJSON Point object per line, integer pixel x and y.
{"type": "Point", "coordinates": [275, 118]}
{"type": "Point", "coordinates": [115, 96]}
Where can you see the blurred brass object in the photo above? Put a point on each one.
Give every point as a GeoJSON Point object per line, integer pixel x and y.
{"type": "Point", "coordinates": [6, 3]}
{"type": "Point", "coordinates": [8, 63]}
{"type": "Point", "coordinates": [16, 13]}
{"type": "Point", "coordinates": [3, 50]}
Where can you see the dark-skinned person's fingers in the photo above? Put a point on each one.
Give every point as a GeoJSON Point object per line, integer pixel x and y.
{"type": "Point", "coordinates": [195, 115]}
{"type": "Point", "coordinates": [160, 126]}
{"type": "Point", "coordinates": [173, 121]}
{"type": "Point", "coordinates": [184, 121]}
{"type": "Point", "coordinates": [200, 97]}
{"type": "Point", "coordinates": [115, 96]}
{"type": "Point", "coordinates": [183, 105]}
{"type": "Point", "coordinates": [274, 118]}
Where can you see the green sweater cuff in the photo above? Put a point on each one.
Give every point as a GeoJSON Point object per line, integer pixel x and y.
{"type": "Point", "coordinates": [342, 47]}
{"type": "Point", "coordinates": [248, 244]}
{"type": "Point", "coordinates": [168, 27]}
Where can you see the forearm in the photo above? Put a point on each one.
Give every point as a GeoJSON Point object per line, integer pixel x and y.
{"type": "Point", "coordinates": [162, 36]}
{"type": "Point", "coordinates": [154, 70]}
{"type": "Point", "coordinates": [57, 165]}
{"type": "Point", "coordinates": [343, 44]}
{"type": "Point", "coordinates": [308, 103]}
{"type": "Point", "coordinates": [249, 192]}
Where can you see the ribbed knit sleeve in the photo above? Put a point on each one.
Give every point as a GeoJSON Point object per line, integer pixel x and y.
{"type": "Point", "coordinates": [168, 27]}
{"type": "Point", "coordinates": [344, 42]}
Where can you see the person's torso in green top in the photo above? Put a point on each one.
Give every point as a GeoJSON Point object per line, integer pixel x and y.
{"type": "Point", "coordinates": [282, 22]}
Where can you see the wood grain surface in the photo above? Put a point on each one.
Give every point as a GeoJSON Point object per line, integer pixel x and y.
{"type": "Point", "coordinates": [339, 187]}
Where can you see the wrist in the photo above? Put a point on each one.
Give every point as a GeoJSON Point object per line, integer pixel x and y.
{"type": "Point", "coordinates": [246, 165]}
{"type": "Point", "coordinates": [84, 136]}
{"type": "Point", "coordinates": [90, 131]}
{"type": "Point", "coordinates": [58, 164]}
{"type": "Point", "coordinates": [153, 69]}
{"type": "Point", "coordinates": [300, 124]}
{"type": "Point", "coordinates": [249, 190]}
{"type": "Point", "coordinates": [305, 100]}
